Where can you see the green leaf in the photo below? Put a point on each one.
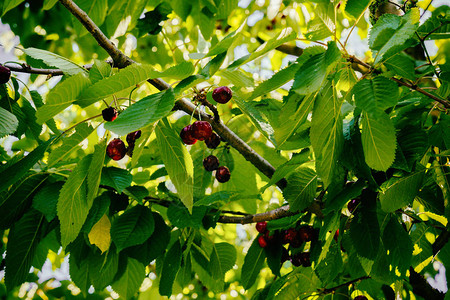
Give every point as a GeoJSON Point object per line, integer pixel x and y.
{"type": "Point", "coordinates": [38, 102]}
{"type": "Point", "coordinates": [178, 162]}
{"type": "Point", "coordinates": [180, 217]}
{"type": "Point", "coordinates": [72, 207]}
{"type": "Point", "coordinates": [48, 4]}
{"type": "Point", "coordinates": [62, 96]}
{"type": "Point", "coordinates": [311, 75]}
{"type": "Point", "coordinates": [422, 247]}
{"type": "Point", "coordinates": [127, 285]}
{"type": "Point", "coordinates": [15, 202]}
{"type": "Point", "coordinates": [117, 178]}
{"type": "Point", "coordinates": [133, 227]}
{"type": "Point", "coordinates": [326, 134]}
{"type": "Point", "coordinates": [23, 240]}
{"type": "Point", "coordinates": [301, 188]}
{"type": "Point", "coordinates": [100, 70]}
{"type": "Point", "coordinates": [46, 199]}
{"type": "Point", "coordinates": [103, 269]}
{"type": "Point", "coordinates": [95, 171]}
{"type": "Point", "coordinates": [172, 263]}
{"type": "Point", "coordinates": [391, 32]}
{"type": "Point", "coordinates": [378, 141]}
{"type": "Point", "coordinates": [237, 77]}
{"type": "Point", "coordinates": [142, 113]}
{"type": "Point", "coordinates": [69, 144]}
{"type": "Point", "coordinates": [13, 172]}
{"type": "Point", "coordinates": [365, 231]}
{"type": "Point", "coordinates": [375, 95]}
{"type": "Point", "coordinates": [286, 35]}
{"type": "Point", "coordinates": [10, 4]}
{"type": "Point", "coordinates": [253, 263]}
{"type": "Point", "coordinates": [356, 7]}
{"type": "Point", "coordinates": [67, 66]}
{"type": "Point", "coordinates": [137, 192]}
{"type": "Point", "coordinates": [96, 10]}
{"type": "Point", "coordinates": [222, 259]}
{"type": "Point", "coordinates": [225, 44]}
{"type": "Point", "coordinates": [402, 65]}
{"type": "Point", "coordinates": [150, 23]}
{"type": "Point", "coordinates": [288, 167]}
{"type": "Point", "coordinates": [331, 267]}
{"type": "Point", "coordinates": [292, 116]}
{"type": "Point", "coordinates": [399, 192]}
{"type": "Point", "coordinates": [397, 241]}
{"type": "Point", "coordinates": [129, 77]}
{"type": "Point", "coordinates": [8, 122]}
{"type": "Point", "coordinates": [437, 26]}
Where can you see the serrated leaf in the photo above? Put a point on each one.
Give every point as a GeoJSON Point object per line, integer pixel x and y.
{"type": "Point", "coordinates": [288, 167]}
{"type": "Point", "coordinates": [253, 263]}
{"type": "Point", "coordinates": [397, 241]}
{"type": "Point", "coordinates": [23, 240]}
{"type": "Point", "coordinates": [171, 265]}
{"type": "Point", "coordinates": [365, 232]}
{"type": "Point", "coordinates": [437, 26]}
{"type": "Point", "coordinates": [128, 284]}
{"type": "Point", "coordinates": [237, 77]}
{"type": "Point", "coordinates": [95, 171]}
{"type": "Point", "coordinates": [67, 66]}
{"type": "Point", "coordinates": [301, 188]}
{"type": "Point", "coordinates": [225, 44]}
{"type": "Point", "coordinates": [133, 227]}
{"type": "Point", "coordinates": [70, 144]}
{"type": "Point", "coordinates": [222, 259]}
{"type": "Point", "coordinates": [286, 35]}
{"type": "Point", "coordinates": [100, 234]}
{"type": "Point", "coordinates": [142, 113]}
{"type": "Point", "coordinates": [8, 122]}
{"type": "Point", "coordinates": [356, 7]}
{"type": "Point", "coordinates": [100, 70]}
{"type": "Point", "coordinates": [15, 202]}
{"type": "Point", "coordinates": [62, 96]}
{"type": "Point", "coordinates": [331, 267]}
{"type": "Point", "coordinates": [117, 178]}
{"type": "Point", "coordinates": [178, 162]}
{"type": "Point", "coordinates": [422, 247]}
{"type": "Point", "coordinates": [378, 141]}
{"type": "Point", "coordinates": [72, 207]}
{"type": "Point", "coordinates": [375, 95]}
{"type": "Point", "coordinates": [402, 65]}
{"type": "Point", "coordinates": [46, 199]}
{"type": "Point", "coordinates": [311, 75]}
{"type": "Point", "coordinates": [38, 102]}
{"type": "Point", "coordinates": [13, 172]}
{"type": "Point", "coordinates": [389, 35]}
{"type": "Point", "coordinates": [326, 133]}
{"type": "Point", "coordinates": [399, 192]}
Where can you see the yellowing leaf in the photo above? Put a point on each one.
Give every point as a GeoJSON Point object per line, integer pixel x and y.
{"type": "Point", "coordinates": [100, 235]}
{"type": "Point", "coordinates": [440, 219]}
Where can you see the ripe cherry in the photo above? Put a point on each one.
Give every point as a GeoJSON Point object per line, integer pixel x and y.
{"type": "Point", "coordinates": [261, 226]}
{"type": "Point", "coordinates": [222, 94]}
{"type": "Point", "coordinates": [262, 241]}
{"type": "Point", "coordinates": [305, 259]}
{"type": "Point", "coordinates": [186, 135]}
{"type": "Point", "coordinates": [295, 260]}
{"type": "Point", "coordinates": [289, 236]}
{"type": "Point", "coordinates": [5, 74]}
{"type": "Point", "coordinates": [213, 141]}
{"type": "Point", "coordinates": [133, 136]}
{"type": "Point", "coordinates": [116, 149]}
{"type": "Point", "coordinates": [201, 130]}
{"type": "Point", "coordinates": [109, 114]}
{"type": "Point", "coordinates": [306, 233]}
{"type": "Point", "coordinates": [269, 237]}
{"type": "Point", "coordinates": [360, 297]}
{"type": "Point", "coordinates": [223, 174]}
{"type": "Point", "coordinates": [211, 163]}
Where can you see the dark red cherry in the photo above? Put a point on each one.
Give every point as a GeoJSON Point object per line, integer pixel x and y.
{"type": "Point", "coordinates": [295, 260]}
{"type": "Point", "coordinates": [5, 74]}
{"type": "Point", "coordinates": [116, 149]}
{"type": "Point", "coordinates": [222, 94]}
{"type": "Point", "coordinates": [223, 174]}
{"type": "Point", "coordinates": [262, 241]}
{"type": "Point", "coordinates": [261, 226]}
{"type": "Point", "coordinates": [304, 258]}
{"type": "Point", "coordinates": [186, 135]}
{"type": "Point", "coordinates": [213, 141]}
{"type": "Point", "coordinates": [306, 233]}
{"type": "Point", "coordinates": [211, 163]}
{"type": "Point", "coordinates": [360, 297]}
{"type": "Point", "coordinates": [133, 136]}
{"type": "Point", "coordinates": [109, 114]}
{"type": "Point", "coordinates": [269, 237]}
{"type": "Point", "coordinates": [289, 236]}
{"type": "Point", "coordinates": [201, 130]}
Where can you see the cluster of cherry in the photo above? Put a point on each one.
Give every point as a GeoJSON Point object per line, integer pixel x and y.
{"type": "Point", "coordinates": [294, 237]}
{"type": "Point", "coordinates": [202, 131]}
{"type": "Point", "coordinates": [116, 148]}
